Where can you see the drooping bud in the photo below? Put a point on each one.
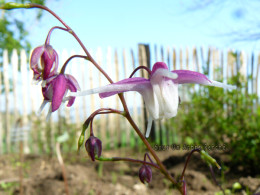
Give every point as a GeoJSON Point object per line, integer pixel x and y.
{"type": "Point", "coordinates": [145, 174]}
{"type": "Point", "coordinates": [94, 147]}
{"type": "Point", "coordinates": [44, 62]}
{"type": "Point", "coordinates": [209, 160]}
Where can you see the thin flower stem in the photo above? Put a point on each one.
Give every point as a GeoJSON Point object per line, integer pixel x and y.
{"type": "Point", "coordinates": [140, 67]}
{"type": "Point", "coordinates": [91, 128]}
{"type": "Point", "coordinates": [47, 41]}
{"type": "Point", "coordinates": [70, 58]}
{"type": "Point", "coordinates": [101, 111]}
{"type": "Point", "coordinates": [146, 154]}
{"type": "Point", "coordinates": [186, 163]}
{"type": "Point", "coordinates": [215, 180]}
{"type": "Point", "coordinates": [128, 160]}
{"type": "Point", "coordinates": [110, 110]}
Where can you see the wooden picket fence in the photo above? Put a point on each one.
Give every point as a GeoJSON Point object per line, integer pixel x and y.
{"type": "Point", "coordinates": [20, 99]}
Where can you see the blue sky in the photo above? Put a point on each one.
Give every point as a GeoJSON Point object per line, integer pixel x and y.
{"type": "Point", "coordinates": [124, 24]}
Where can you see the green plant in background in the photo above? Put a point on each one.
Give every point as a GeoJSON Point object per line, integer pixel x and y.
{"type": "Point", "coordinates": [8, 186]}
{"type": "Point", "coordinates": [13, 33]}
{"type": "Point", "coordinates": [223, 118]}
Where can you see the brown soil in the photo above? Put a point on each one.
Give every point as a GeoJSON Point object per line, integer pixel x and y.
{"type": "Point", "coordinates": [43, 175]}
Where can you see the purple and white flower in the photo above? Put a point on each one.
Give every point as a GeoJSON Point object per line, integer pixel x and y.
{"type": "Point", "coordinates": [56, 89]}
{"type": "Point", "coordinates": [160, 92]}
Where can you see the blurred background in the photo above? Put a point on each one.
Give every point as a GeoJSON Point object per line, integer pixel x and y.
{"type": "Point", "coordinates": [219, 39]}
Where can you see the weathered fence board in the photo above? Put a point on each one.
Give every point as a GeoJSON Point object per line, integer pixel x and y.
{"type": "Point", "coordinates": [6, 136]}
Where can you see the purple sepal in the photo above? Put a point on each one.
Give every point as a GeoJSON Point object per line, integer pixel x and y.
{"type": "Point", "coordinates": [59, 86]}
{"type": "Point", "coordinates": [188, 76]}
{"type": "Point", "coordinates": [128, 83]}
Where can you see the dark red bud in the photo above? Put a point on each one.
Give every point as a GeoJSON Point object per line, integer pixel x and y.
{"type": "Point", "coordinates": [145, 174]}
{"type": "Point", "coordinates": [94, 147]}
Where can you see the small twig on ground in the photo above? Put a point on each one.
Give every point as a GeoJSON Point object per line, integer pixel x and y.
{"type": "Point", "coordinates": [62, 167]}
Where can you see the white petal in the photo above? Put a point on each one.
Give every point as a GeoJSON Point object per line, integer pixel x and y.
{"type": "Point", "coordinates": [151, 102]}
{"type": "Point", "coordinates": [170, 98]}
{"type": "Point", "coordinates": [166, 93]}
{"type": "Point", "coordinates": [42, 106]}
{"type": "Point", "coordinates": [149, 126]}
{"type": "Point", "coordinates": [49, 114]}
{"type": "Point", "coordinates": [44, 83]}
{"type": "Point", "coordinates": [222, 85]}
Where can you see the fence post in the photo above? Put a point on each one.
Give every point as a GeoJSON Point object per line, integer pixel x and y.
{"type": "Point", "coordinates": [187, 59]}
{"type": "Point", "coordinates": [127, 127]}
{"type": "Point", "coordinates": [144, 60]}
{"type": "Point", "coordinates": [117, 117]}
{"type": "Point", "coordinates": [135, 108]}
{"type": "Point", "coordinates": [103, 118]}
{"type": "Point", "coordinates": [6, 137]}
{"type": "Point", "coordinates": [180, 59]}
{"type": "Point", "coordinates": [14, 63]}
{"type": "Point", "coordinates": [24, 72]}
{"type": "Point", "coordinates": [111, 117]}
{"type": "Point", "coordinates": [252, 72]}
{"type": "Point", "coordinates": [174, 59]}
{"type": "Point", "coordinates": [257, 75]}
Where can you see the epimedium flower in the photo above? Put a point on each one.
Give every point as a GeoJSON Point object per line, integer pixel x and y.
{"type": "Point", "coordinates": [160, 91]}
{"type": "Point", "coordinates": [93, 147]}
{"type": "Point", "coordinates": [44, 62]}
{"type": "Point", "coordinates": [55, 90]}
{"type": "Point", "coordinates": [145, 174]}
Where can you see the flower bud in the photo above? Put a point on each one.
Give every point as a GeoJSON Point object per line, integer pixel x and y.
{"type": "Point", "coordinates": [94, 147]}
{"type": "Point", "coordinates": [209, 160]}
{"type": "Point", "coordinates": [44, 62]}
{"type": "Point", "coordinates": [145, 174]}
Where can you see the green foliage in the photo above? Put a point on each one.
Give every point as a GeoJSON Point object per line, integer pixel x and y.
{"type": "Point", "coordinates": [219, 117]}
{"type": "Point", "coordinates": [8, 187]}
{"type": "Point", "coordinates": [12, 30]}
{"type": "Point", "coordinates": [13, 34]}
